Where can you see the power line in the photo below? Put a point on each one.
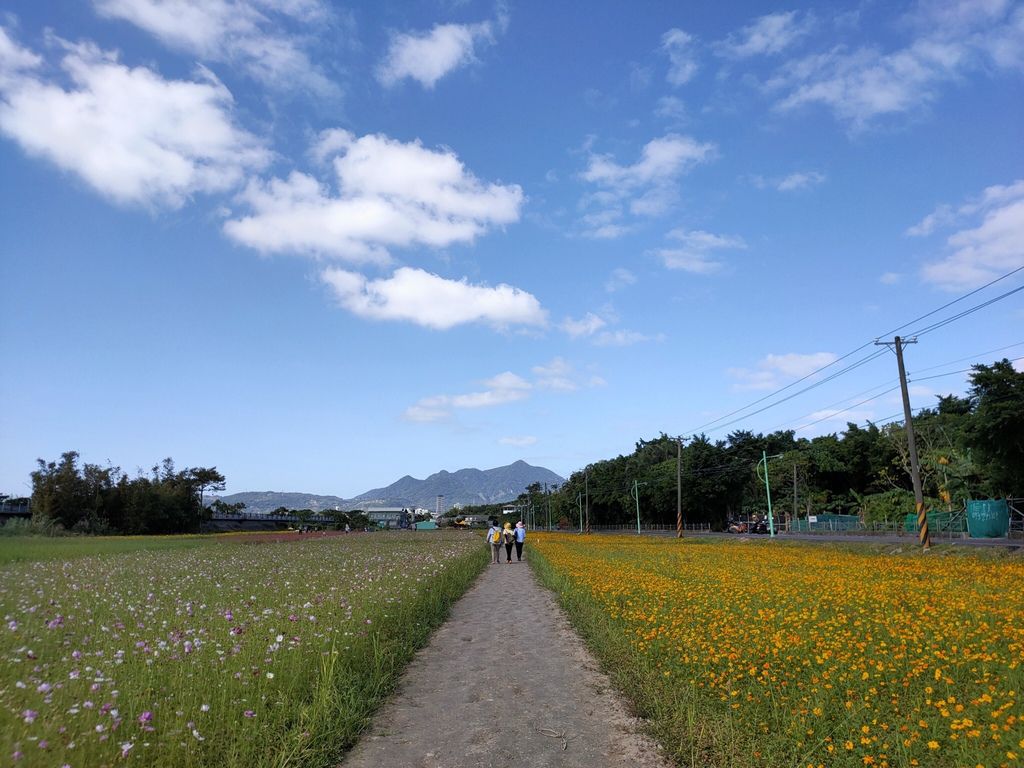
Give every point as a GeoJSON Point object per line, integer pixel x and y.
{"type": "Point", "coordinates": [844, 410]}
{"type": "Point", "coordinates": [969, 357]}
{"type": "Point", "coordinates": [913, 378]}
{"type": "Point", "coordinates": [954, 301]}
{"type": "Point", "coordinates": [928, 329]}
{"type": "Point", "coordinates": [816, 384]}
{"type": "Point", "coordinates": [966, 312]}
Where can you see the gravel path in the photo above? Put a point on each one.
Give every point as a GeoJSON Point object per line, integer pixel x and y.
{"type": "Point", "coordinates": [505, 682]}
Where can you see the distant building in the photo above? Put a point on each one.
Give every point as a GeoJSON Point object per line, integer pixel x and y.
{"type": "Point", "coordinates": [391, 517]}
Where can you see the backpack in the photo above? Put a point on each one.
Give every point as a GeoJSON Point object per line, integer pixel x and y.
{"type": "Point", "coordinates": [509, 537]}
{"type": "Point", "coordinates": [496, 536]}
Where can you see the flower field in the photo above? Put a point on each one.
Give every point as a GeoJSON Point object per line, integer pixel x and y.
{"type": "Point", "coordinates": [220, 654]}
{"type": "Point", "coordinates": [773, 654]}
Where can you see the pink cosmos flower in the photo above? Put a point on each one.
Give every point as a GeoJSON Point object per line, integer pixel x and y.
{"type": "Point", "coordinates": [249, 713]}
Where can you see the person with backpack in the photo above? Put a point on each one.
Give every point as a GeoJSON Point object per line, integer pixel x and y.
{"type": "Point", "coordinates": [508, 538]}
{"type": "Point", "coordinates": [520, 539]}
{"type": "Point", "coordinates": [494, 540]}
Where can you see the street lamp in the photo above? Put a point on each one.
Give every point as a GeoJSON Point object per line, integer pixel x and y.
{"type": "Point", "coordinates": [767, 488]}
{"type": "Point", "coordinates": [635, 493]}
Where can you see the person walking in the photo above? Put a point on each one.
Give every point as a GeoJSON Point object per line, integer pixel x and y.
{"type": "Point", "coordinates": [508, 537]}
{"type": "Point", "coordinates": [520, 533]}
{"type": "Point", "coordinates": [494, 540]}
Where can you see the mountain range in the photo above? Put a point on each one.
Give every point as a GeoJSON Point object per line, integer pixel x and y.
{"type": "Point", "coordinates": [466, 486]}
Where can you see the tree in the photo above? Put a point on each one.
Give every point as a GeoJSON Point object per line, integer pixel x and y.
{"type": "Point", "coordinates": [996, 431]}
{"type": "Point", "coordinates": [221, 507]}
{"type": "Point", "coordinates": [203, 479]}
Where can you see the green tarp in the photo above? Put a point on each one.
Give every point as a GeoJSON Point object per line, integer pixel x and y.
{"type": "Point", "coordinates": [988, 518]}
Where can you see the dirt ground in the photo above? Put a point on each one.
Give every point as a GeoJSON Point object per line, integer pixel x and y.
{"type": "Point", "coordinates": [505, 682]}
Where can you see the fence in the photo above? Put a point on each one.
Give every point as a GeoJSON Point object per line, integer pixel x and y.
{"type": "Point", "coordinates": [942, 526]}
{"type": "Point", "coordinates": [650, 528]}
{"type": "Point", "coordinates": [1016, 516]}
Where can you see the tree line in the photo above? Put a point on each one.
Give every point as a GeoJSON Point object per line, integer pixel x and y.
{"type": "Point", "coordinates": [92, 499]}
{"type": "Point", "coordinates": [969, 447]}
{"type": "Point", "coordinates": [89, 498]}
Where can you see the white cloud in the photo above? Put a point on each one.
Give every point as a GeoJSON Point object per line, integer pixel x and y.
{"type": "Point", "coordinates": [766, 35]}
{"type": "Point", "coordinates": [604, 224]}
{"type": "Point", "coordinates": [794, 181]}
{"type": "Point", "coordinates": [429, 56]}
{"type": "Point", "coordinates": [660, 160]}
{"type": "Point", "coordinates": [129, 133]}
{"type": "Point", "coordinates": [648, 184]}
{"type": "Point", "coordinates": [800, 180]}
{"type": "Point", "coordinates": [988, 242]}
{"type": "Point", "coordinates": [558, 376]}
{"type": "Point", "coordinates": [587, 325]}
{"type": "Point", "coordinates": [671, 108]}
{"type": "Point", "coordinates": [678, 46]}
{"type": "Point", "coordinates": [695, 253]}
{"type": "Point", "coordinates": [941, 217]}
{"type": "Point", "coordinates": [773, 369]}
{"type": "Point", "coordinates": [389, 194]}
{"type": "Point", "coordinates": [504, 388]}
{"type": "Point", "coordinates": [624, 338]}
{"type": "Point", "coordinates": [522, 441]}
{"type": "Point", "coordinates": [890, 278]}
{"type": "Point", "coordinates": [689, 261]}
{"type": "Point", "coordinates": [15, 60]}
{"type": "Point", "coordinates": [862, 85]}
{"type": "Point", "coordinates": [245, 33]}
{"type": "Point", "coordinates": [420, 297]}
{"type": "Point", "coordinates": [618, 279]}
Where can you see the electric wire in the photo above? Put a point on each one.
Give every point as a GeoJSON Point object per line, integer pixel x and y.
{"type": "Point", "coordinates": [928, 329]}
{"type": "Point", "coordinates": [966, 312]}
{"type": "Point", "coordinates": [911, 377]}
{"type": "Point", "coordinates": [826, 380]}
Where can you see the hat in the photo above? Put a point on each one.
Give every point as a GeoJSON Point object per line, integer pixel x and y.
{"type": "Point", "coordinates": [508, 525]}
{"type": "Point", "coordinates": [520, 524]}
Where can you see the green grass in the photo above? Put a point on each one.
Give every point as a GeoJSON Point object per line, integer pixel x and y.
{"type": "Point", "coordinates": [16, 549]}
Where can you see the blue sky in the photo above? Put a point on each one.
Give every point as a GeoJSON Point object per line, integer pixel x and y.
{"type": "Point", "coordinates": [323, 245]}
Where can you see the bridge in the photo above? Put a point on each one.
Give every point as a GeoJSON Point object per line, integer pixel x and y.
{"type": "Point", "coordinates": [242, 521]}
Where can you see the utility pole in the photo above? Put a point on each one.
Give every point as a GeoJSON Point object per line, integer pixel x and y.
{"type": "Point", "coordinates": [794, 498]}
{"type": "Point", "coordinates": [586, 487]}
{"type": "Point", "coordinates": [915, 468]}
{"type": "Point", "coordinates": [679, 487]}
{"type": "Point", "coordinates": [579, 503]}
{"type": "Point", "coordinates": [548, 494]}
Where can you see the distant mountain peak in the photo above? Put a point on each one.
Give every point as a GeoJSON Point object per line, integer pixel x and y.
{"type": "Point", "coordinates": [465, 486]}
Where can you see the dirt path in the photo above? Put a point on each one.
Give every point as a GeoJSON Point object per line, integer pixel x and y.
{"type": "Point", "coordinates": [505, 682]}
